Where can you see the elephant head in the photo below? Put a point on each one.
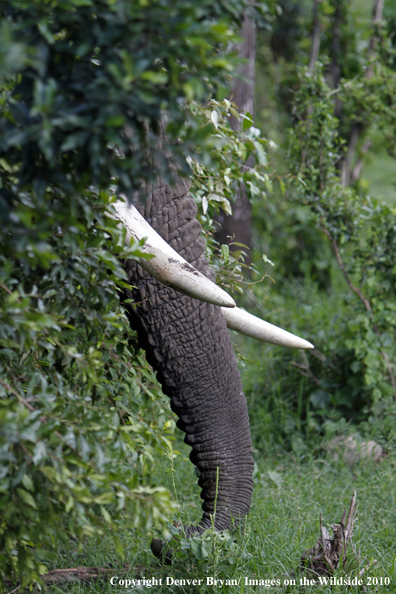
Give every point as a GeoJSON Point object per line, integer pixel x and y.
{"type": "Point", "coordinates": [188, 345]}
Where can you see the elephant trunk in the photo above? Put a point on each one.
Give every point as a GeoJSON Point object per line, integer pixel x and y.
{"type": "Point", "coordinates": [188, 345]}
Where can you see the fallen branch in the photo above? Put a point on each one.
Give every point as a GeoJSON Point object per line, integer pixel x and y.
{"type": "Point", "coordinates": [81, 574]}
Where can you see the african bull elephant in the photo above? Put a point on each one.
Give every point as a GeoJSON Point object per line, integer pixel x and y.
{"type": "Point", "coordinates": [188, 345]}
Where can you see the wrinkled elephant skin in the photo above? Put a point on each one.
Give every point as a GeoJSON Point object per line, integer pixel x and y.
{"type": "Point", "coordinates": [188, 345]}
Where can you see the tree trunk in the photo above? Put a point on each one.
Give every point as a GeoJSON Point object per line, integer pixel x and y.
{"type": "Point", "coordinates": [239, 224]}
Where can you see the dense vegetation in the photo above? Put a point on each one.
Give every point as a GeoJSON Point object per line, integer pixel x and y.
{"type": "Point", "coordinates": [330, 237]}
{"type": "Point", "coordinates": [84, 428]}
{"type": "Point", "coordinates": [85, 87]}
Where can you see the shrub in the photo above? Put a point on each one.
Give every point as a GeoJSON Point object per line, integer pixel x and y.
{"type": "Point", "coordinates": [85, 84]}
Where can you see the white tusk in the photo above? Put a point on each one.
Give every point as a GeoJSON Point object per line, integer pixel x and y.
{"type": "Point", "coordinates": [167, 266]}
{"type": "Point", "coordinates": [245, 323]}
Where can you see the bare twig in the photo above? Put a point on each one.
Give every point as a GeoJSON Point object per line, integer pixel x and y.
{"type": "Point", "coordinates": [368, 566]}
{"type": "Point", "coordinates": [32, 409]}
{"type": "Point", "coordinates": [6, 289]}
{"type": "Point", "coordinates": [340, 263]}
{"type": "Point", "coordinates": [306, 371]}
{"type": "Point", "coordinates": [14, 590]}
{"type": "Point", "coordinates": [9, 388]}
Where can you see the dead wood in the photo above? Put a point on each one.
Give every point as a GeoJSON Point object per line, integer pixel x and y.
{"type": "Point", "coordinates": [81, 574]}
{"type": "Point", "coordinates": [329, 553]}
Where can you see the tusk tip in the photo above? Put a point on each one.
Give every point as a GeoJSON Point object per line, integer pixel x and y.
{"type": "Point", "coordinates": [307, 345]}
{"type": "Point", "coordinates": [230, 302]}
{"type": "Point", "coordinates": [246, 323]}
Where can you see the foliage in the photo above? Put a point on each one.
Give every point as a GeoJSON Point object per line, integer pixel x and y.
{"type": "Point", "coordinates": [85, 84]}
{"type": "Point", "coordinates": [76, 431]}
{"type": "Point", "coordinates": [354, 377]}
{"type": "Point", "coordinates": [218, 171]}
{"type": "Point", "coordinates": [95, 77]}
{"type": "Point", "coordinates": [362, 234]}
{"type": "Point", "coordinates": [332, 235]}
{"type": "Point", "coordinates": [348, 46]}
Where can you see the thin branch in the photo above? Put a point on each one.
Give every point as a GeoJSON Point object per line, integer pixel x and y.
{"type": "Point", "coordinates": [6, 289]}
{"type": "Point", "coordinates": [350, 284]}
{"type": "Point", "coordinates": [363, 299]}
{"type": "Point", "coordinates": [10, 389]}
{"type": "Point", "coordinates": [305, 371]}
{"type": "Point", "coordinates": [32, 409]}
{"type": "Point", "coordinates": [369, 566]}
{"type": "Point", "coordinates": [14, 590]}
{"type": "Point", "coordinates": [351, 514]}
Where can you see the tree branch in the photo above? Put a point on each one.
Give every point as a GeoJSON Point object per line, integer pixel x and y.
{"type": "Point", "coordinates": [364, 300]}
{"type": "Point", "coordinates": [340, 263]}
{"type": "Point", "coordinates": [81, 574]}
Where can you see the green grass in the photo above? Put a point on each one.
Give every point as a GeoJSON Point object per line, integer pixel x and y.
{"type": "Point", "coordinates": [289, 496]}
{"type": "Point", "coordinates": [291, 490]}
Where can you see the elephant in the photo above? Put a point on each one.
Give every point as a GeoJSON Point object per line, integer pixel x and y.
{"type": "Point", "coordinates": [187, 343]}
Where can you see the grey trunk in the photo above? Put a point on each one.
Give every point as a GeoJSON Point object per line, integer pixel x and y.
{"type": "Point", "coordinates": [188, 345]}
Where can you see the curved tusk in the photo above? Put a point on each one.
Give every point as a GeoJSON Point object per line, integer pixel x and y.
{"type": "Point", "coordinates": [167, 266]}
{"type": "Point", "coordinates": [245, 323]}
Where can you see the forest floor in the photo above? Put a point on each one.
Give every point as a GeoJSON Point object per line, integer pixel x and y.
{"type": "Point", "coordinates": [290, 495]}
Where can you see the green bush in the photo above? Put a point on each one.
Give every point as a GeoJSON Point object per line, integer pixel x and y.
{"type": "Point", "coordinates": [85, 84]}
{"type": "Point", "coordinates": [352, 323]}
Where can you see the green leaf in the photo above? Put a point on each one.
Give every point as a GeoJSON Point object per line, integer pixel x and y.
{"type": "Point", "coordinates": [215, 118]}
{"type": "Point", "coordinates": [225, 250]}
{"type": "Point", "coordinates": [27, 498]}
{"type": "Point", "coordinates": [28, 483]}
{"type": "Point", "coordinates": [158, 78]}
{"type": "Point", "coordinates": [247, 121]}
